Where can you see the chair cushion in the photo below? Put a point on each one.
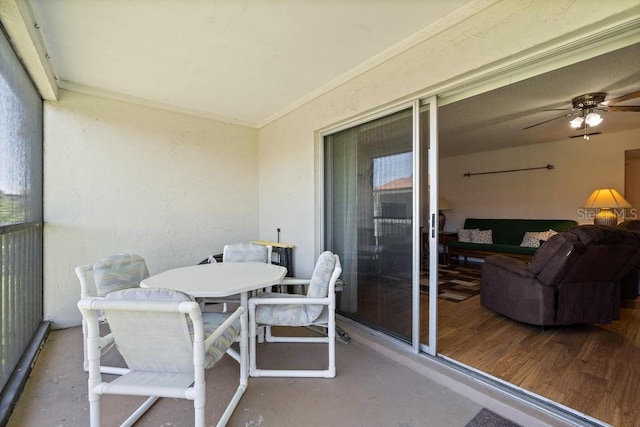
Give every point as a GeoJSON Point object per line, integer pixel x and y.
{"type": "Point", "coordinates": [282, 314]}
{"type": "Point", "coordinates": [119, 272]}
{"type": "Point", "coordinates": [319, 284]}
{"type": "Point", "coordinates": [160, 341]}
{"type": "Point", "coordinates": [210, 320]}
{"type": "Point", "coordinates": [245, 252]}
{"type": "Point", "coordinates": [149, 294]}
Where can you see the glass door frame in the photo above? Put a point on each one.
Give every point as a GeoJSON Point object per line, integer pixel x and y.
{"type": "Point", "coordinates": [418, 170]}
{"type": "Point", "coordinates": [433, 225]}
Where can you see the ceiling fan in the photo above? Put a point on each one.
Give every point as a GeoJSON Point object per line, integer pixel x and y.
{"type": "Point", "coordinates": [585, 108]}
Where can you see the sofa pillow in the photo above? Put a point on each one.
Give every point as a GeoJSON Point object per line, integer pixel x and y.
{"type": "Point", "coordinates": [550, 234]}
{"type": "Point", "coordinates": [484, 237]}
{"type": "Point", "coordinates": [464, 234]}
{"type": "Point", "coordinates": [533, 239]}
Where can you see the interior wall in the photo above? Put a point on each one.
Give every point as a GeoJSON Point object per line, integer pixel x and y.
{"type": "Point", "coordinates": [632, 179]}
{"type": "Point", "coordinates": [579, 168]}
{"type": "Point", "coordinates": [291, 147]}
{"type": "Point", "coordinates": [125, 178]}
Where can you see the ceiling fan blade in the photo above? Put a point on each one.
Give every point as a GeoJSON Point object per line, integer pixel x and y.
{"type": "Point", "coordinates": [625, 108]}
{"type": "Point", "coordinates": [582, 135]}
{"type": "Point", "coordinates": [550, 120]}
{"type": "Point", "coordinates": [632, 95]}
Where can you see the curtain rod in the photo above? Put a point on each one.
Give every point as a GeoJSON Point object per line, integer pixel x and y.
{"type": "Point", "coordinates": [549, 167]}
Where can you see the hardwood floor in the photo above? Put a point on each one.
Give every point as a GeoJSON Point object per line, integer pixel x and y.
{"type": "Point", "coordinates": [594, 369]}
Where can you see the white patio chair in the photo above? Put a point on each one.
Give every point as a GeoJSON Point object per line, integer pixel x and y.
{"type": "Point", "coordinates": [240, 252]}
{"type": "Point", "coordinates": [112, 273]}
{"type": "Point", "coordinates": [246, 252]}
{"type": "Point", "coordinates": [316, 308]}
{"type": "Point", "coordinates": [167, 342]}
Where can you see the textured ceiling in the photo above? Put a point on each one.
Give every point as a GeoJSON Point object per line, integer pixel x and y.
{"type": "Point", "coordinates": [250, 61]}
{"type": "Point", "coordinates": [496, 119]}
{"type": "Point", "coordinates": [242, 61]}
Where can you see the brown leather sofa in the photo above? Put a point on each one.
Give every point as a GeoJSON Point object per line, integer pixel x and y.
{"type": "Point", "coordinates": [573, 278]}
{"type": "Point", "coordinates": [630, 283]}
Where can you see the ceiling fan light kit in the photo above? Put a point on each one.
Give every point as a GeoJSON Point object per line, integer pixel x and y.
{"type": "Point", "coordinates": [593, 119]}
{"type": "Point", "coordinates": [576, 123]}
{"type": "Point", "coordinates": [584, 106]}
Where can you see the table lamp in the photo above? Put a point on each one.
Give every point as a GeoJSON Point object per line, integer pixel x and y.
{"type": "Point", "coordinates": [606, 200]}
{"type": "Point", "coordinates": [443, 205]}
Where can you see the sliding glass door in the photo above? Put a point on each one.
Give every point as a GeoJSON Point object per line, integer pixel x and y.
{"type": "Point", "coordinates": [369, 212]}
{"type": "Point", "coordinates": [374, 219]}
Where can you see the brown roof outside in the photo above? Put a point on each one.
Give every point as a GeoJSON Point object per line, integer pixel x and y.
{"type": "Point", "coordinates": [397, 184]}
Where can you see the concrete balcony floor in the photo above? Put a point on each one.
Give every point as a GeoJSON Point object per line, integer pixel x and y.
{"type": "Point", "coordinates": [376, 385]}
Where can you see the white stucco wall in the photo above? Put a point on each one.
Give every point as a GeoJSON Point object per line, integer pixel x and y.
{"type": "Point", "coordinates": [126, 178]}
{"type": "Point", "coordinates": [289, 154]}
{"type": "Point", "coordinates": [175, 188]}
{"type": "Point", "coordinates": [579, 168]}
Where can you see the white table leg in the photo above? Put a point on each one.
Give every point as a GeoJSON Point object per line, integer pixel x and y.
{"type": "Point", "coordinates": [244, 336]}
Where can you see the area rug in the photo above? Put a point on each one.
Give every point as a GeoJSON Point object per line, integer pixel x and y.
{"type": "Point", "coordinates": [455, 283]}
{"type": "Point", "coordinates": [486, 418]}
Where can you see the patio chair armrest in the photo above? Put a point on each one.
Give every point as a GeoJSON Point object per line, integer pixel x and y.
{"type": "Point", "coordinates": [223, 327]}
{"type": "Point", "coordinates": [294, 281]}
{"type": "Point", "coordinates": [284, 301]}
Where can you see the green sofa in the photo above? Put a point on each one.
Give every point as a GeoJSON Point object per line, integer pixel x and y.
{"type": "Point", "coordinates": [507, 235]}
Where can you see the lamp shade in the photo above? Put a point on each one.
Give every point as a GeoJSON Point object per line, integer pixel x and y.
{"type": "Point", "coordinates": [443, 204]}
{"type": "Point", "coordinates": [606, 198]}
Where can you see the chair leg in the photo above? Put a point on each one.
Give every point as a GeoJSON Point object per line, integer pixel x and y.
{"type": "Point", "coordinates": [198, 411]}
{"type": "Point", "coordinates": [331, 334]}
{"type": "Point", "coordinates": [242, 387]}
{"type": "Point", "coordinates": [93, 356]}
{"type": "Point", "coordinates": [85, 361]}
{"type": "Point", "coordinates": [252, 340]}
{"type": "Point", "coordinates": [133, 418]}
{"type": "Point", "coordinates": [329, 340]}
{"type": "Point", "coordinates": [264, 333]}
{"type": "Point", "coordinates": [94, 410]}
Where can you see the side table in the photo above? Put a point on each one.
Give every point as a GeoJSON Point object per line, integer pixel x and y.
{"type": "Point", "coordinates": [444, 237]}
{"type": "Point", "coordinates": [284, 251]}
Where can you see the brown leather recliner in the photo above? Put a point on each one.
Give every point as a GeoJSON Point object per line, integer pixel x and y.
{"type": "Point", "coordinates": [573, 278]}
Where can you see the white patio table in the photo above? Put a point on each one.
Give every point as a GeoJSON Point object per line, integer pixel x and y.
{"type": "Point", "coordinates": [220, 280]}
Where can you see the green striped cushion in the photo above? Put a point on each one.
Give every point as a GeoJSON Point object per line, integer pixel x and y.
{"type": "Point", "coordinates": [118, 272]}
